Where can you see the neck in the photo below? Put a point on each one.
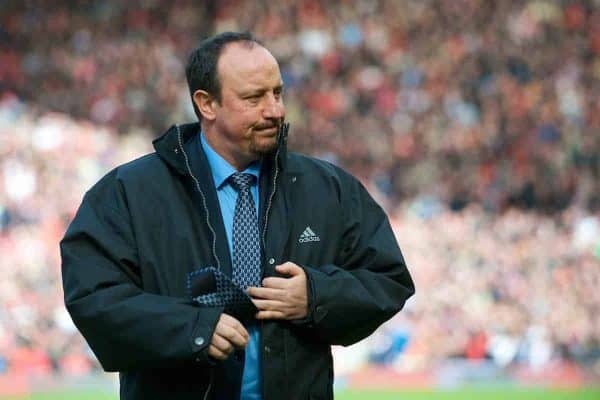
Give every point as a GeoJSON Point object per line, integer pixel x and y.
{"type": "Point", "coordinates": [235, 158]}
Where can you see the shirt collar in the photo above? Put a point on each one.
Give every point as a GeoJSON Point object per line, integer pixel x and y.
{"type": "Point", "coordinates": [220, 168]}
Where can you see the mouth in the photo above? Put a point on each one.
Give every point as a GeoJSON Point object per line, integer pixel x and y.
{"type": "Point", "coordinates": [267, 131]}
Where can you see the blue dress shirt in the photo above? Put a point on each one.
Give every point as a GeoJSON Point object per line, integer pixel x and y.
{"type": "Point", "coordinates": [227, 195]}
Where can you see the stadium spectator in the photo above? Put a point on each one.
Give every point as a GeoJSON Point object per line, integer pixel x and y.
{"type": "Point", "coordinates": [463, 96]}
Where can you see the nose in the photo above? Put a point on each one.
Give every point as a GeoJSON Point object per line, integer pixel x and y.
{"type": "Point", "coordinates": [274, 108]}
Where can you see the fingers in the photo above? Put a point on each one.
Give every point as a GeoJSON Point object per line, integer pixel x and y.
{"type": "Point", "coordinates": [264, 293]}
{"type": "Point", "coordinates": [282, 298]}
{"type": "Point", "coordinates": [232, 330]}
{"type": "Point", "coordinates": [229, 333]}
{"type": "Point", "coordinates": [220, 348]}
{"type": "Point", "coordinates": [232, 322]}
{"type": "Point", "coordinates": [275, 309]}
{"type": "Point", "coordinates": [271, 315]}
{"type": "Point", "coordinates": [268, 305]}
{"type": "Point", "coordinates": [289, 268]}
{"type": "Point", "coordinates": [216, 353]}
{"type": "Point", "coordinates": [275, 283]}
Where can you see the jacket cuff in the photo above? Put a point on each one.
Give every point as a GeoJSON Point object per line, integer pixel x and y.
{"type": "Point", "coordinates": [309, 320]}
{"type": "Point", "coordinates": [203, 332]}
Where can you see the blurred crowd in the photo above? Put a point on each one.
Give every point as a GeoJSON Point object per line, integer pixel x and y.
{"type": "Point", "coordinates": [488, 102]}
{"type": "Point", "coordinates": [516, 288]}
{"type": "Point", "coordinates": [47, 162]}
{"type": "Point", "coordinates": [476, 124]}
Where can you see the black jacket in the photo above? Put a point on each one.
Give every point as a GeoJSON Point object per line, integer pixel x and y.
{"type": "Point", "coordinates": [147, 224]}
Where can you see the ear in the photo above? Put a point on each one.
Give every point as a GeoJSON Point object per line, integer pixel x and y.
{"type": "Point", "coordinates": [205, 103]}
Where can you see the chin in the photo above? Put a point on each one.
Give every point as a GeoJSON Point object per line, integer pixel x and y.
{"type": "Point", "coordinates": [264, 146]}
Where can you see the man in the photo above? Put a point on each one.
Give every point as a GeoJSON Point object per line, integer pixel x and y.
{"type": "Point", "coordinates": [298, 239]}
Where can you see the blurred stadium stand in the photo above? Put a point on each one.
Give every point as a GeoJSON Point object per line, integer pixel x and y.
{"type": "Point", "coordinates": [476, 124]}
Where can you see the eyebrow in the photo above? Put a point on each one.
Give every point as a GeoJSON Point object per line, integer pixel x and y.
{"type": "Point", "coordinates": [254, 92]}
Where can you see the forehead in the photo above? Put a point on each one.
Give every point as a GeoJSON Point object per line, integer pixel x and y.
{"type": "Point", "coordinates": [243, 65]}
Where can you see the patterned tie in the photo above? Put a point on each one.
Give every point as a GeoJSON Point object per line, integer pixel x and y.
{"type": "Point", "coordinates": [246, 242]}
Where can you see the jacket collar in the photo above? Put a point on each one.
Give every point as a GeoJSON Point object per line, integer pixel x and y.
{"type": "Point", "coordinates": [168, 146]}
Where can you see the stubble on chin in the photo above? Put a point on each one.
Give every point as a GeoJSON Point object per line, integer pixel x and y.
{"type": "Point", "coordinates": [262, 146]}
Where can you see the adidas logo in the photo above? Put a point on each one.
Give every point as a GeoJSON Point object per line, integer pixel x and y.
{"type": "Point", "coordinates": [309, 236]}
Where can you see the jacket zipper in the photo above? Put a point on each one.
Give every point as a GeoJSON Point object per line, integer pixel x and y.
{"type": "Point", "coordinates": [264, 234]}
{"type": "Point", "coordinates": [212, 231]}
{"type": "Point", "coordinates": [210, 382]}
{"type": "Point", "coordinates": [281, 140]}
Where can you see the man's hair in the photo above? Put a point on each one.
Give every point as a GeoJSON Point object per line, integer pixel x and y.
{"type": "Point", "coordinates": [201, 69]}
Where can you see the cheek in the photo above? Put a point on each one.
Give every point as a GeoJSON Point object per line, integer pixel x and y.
{"type": "Point", "coordinates": [247, 117]}
{"type": "Point", "coordinates": [239, 123]}
{"type": "Point", "coordinates": [244, 120]}
{"type": "Point", "coordinates": [240, 116]}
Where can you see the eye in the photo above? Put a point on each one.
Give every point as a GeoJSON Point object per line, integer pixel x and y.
{"type": "Point", "coordinates": [253, 99]}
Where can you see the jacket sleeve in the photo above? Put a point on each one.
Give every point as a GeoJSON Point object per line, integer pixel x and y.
{"type": "Point", "coordinates": [369, 282]}
{"type": "Point", "coordinates": [126, 327]}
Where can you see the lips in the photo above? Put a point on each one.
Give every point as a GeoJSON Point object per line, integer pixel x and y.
{"type": "Point", "coordinates": [270, 129]}
{"type": "Point", "coordinates": [265, 127]}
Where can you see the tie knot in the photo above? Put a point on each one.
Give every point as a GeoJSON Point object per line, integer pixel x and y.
{"type": "Point", "coordinates": [241, 181]}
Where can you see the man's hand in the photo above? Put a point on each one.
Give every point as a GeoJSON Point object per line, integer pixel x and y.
{"type": "Point", "coordinates": [282, 298]}
{"type": "Point", "coordinates": [229, 333]}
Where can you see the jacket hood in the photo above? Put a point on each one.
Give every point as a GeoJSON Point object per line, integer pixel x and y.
{"type": "Point", "coordinates": [168, 146]}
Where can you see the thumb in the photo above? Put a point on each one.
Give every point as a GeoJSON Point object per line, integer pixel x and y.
{"type": "Point", "coordinates": [289, 268]}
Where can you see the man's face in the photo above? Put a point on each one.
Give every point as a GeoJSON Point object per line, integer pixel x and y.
{"type": "Point", "coordinates": [251, 108]}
